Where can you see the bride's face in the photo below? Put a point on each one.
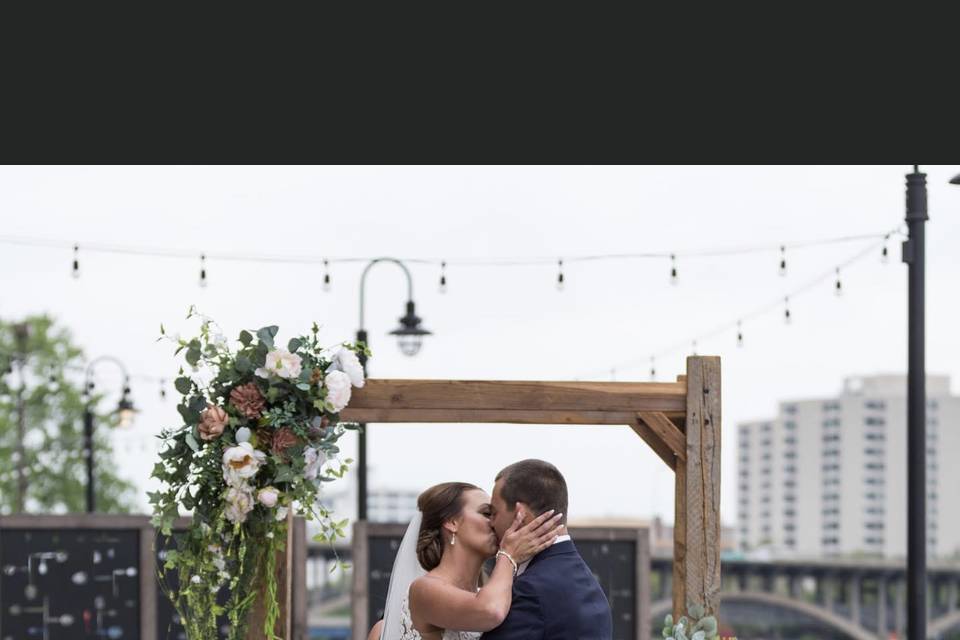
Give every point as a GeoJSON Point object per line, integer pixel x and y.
{"type": "Point", "coordinates": [475, 529]}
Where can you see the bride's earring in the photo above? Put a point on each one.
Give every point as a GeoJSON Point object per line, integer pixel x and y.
{"type": "Point", "coordinates": [453, 540]}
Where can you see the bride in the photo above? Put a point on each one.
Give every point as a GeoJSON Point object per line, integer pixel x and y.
{"type": "Point", "coordinates": [435, 588]}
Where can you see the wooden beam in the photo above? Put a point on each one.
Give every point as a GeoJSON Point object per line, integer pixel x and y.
{"type": "Point", "coordinates": [667, 431]}
{"type": "Point", "coordinates": [654, 442]}
{"type": "Point", "coordinates": [516, 416]}
{"type": "Point", "coordinates": [284, 573]}
{"type": "Point", "coordinates": [696, 564]}
{"type": "Point", "coordinates": [478, 395]}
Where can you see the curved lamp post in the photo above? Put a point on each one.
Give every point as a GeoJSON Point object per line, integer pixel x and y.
{"type": "Point", "coordinates": [409, 339]}
{"type": "Point", "coordinates": [125, 411]}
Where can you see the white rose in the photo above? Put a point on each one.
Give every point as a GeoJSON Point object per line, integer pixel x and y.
{"type": "Point", "coordinates": [349, 363]}
{"type": "Point", "coordinates": [338, 389]}
{"type": "Point", "coordinates": [282, 363]}
{"type": "Point", "coordinates": [239, 504]}
{"type": "Point", "coordinates": [281, 513]}
{"type": "Point", "coordinates": [268, 497]}
{"type": "Point", "coordinates": [314, 459]}
{"type": "Point", "coordinates": [241, 462]}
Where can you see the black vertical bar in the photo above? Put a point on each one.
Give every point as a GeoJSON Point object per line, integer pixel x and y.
{"type": "Point", "coordinates": [913, 255]}
{"type": "Point", "coordinates": [362, 447]}
{"type": "Point", "coordinates": [88, 444]}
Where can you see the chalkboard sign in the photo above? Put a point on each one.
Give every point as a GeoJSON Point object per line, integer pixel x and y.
{"type": "Point", "coordinates": [619, 558]}
{"type": "Point", "coordinates": [69, 584]}
{"type": "Point", "coordinates": [94, 577]}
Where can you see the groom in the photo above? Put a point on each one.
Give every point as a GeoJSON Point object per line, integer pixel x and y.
{"type": "Point", "coordinates": [555, 596]}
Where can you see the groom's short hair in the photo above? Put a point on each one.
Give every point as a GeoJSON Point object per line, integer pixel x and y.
{"type": "Point", "coordinates": [537, 483]}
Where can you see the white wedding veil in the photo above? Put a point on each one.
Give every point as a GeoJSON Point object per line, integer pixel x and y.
{"type": "Point", "coordinates": [406, 569]}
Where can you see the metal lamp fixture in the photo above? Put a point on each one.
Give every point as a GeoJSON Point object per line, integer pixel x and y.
{"type": "Point", "coordinates": [410, 334]}
{"type": "Point", "coordinates": [125, 411]}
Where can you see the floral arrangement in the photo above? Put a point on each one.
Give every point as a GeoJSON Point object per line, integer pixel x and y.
{"type": "Point", "coordinates": [258, 440]}
{"type": "Point", "coordinates": [696, 627]}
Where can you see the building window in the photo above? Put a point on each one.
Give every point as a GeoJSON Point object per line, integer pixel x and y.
{"type": "Point", "coordinates": [790, 409]}
{"type": "Point", "coordinates": [875, 404]}
{"type": "Point", "coordinates": [874, 466]}
{"type": "Point", "coordinates": [831, 406]}
{"type": "Point", "coordinates": [873, 421]}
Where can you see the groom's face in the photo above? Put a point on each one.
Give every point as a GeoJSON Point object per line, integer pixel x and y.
{"type": "Point", "coordinates": [502, 514]}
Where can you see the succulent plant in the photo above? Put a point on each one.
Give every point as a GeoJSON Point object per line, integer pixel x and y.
{"type": "Point", "coordinates": [695, 627]}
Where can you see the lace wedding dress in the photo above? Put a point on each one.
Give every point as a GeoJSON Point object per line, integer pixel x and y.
{"type": "Point", "coordinates": [409, 633]}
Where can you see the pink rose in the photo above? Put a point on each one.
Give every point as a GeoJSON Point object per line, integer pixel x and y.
{"type": "Point", "coordinates": [212, 421]}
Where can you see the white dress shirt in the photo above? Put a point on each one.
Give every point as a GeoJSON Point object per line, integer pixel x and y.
{"type": "Point", "coordinates": [523, 565]}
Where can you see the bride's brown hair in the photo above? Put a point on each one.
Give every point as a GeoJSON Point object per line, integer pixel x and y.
{"type": "Point", "coordinates": [438, 504]}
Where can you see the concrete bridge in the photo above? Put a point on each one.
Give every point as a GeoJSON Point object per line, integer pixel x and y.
{"type": "Point", "coordinates": [859, 599]}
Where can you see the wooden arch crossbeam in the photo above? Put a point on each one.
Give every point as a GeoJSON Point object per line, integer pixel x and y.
{"type": "Point", "coordinates": [679, 420]}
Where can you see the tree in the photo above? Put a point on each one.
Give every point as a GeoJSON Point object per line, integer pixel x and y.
{"type": "Point", "coordinates": [42, 468]}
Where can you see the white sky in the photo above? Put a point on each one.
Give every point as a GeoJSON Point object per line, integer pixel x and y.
{"type": "Point", "coordinates": [493, 323]}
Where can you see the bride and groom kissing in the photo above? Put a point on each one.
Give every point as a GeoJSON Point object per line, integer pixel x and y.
{"type": "Point", "coordinates": [540, 587]}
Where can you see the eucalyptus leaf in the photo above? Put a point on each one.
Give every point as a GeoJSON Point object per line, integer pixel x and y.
{"type": "Point", "coordinates": [245, 338]}
{"type": "Point", "coordinates": [265, 337]}
{"type": "Point", "coordinates": [294, 344]}
{"type": "Point", "coordinates": [183, 385]}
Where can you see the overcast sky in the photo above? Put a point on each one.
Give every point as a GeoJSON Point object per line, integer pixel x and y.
{"type": "Point", "coordinates": [494, 322]}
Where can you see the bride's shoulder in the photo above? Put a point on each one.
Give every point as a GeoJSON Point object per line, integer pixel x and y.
{"type": "Point", "coordinates": [425, 586]}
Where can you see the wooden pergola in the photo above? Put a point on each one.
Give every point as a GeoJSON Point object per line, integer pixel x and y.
{"type": "Point", "coordinates": [679, 420]}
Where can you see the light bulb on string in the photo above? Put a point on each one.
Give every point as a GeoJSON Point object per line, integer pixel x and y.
{"type": "Point", "coordinates": [326, 275]}
{"type": "Point", "coordinates": [443, 277]}
{"type": "Point", "coordinates": [76, 261]}
{"type": "Point", "coordinates": [786, 310]}
{"type": "Point", "coordinates": [653, 368]}
{"type": "Point", "coordinates": [884, 256]}
{"type": "Point", "coordinates": [739, 334]}
{"type": "Point", "coordinates": [783, 260]}
{"type": "Point", "coordinates": [560, 275]}
{"type": "Point", "coordinates": [838, 287]}
{"type": "Point", "coordinates": [163, 389]}
{"type": "Point", "coordinates": [203, 270]}
{"type": "Point", "coordinates": [673, 269]}
{"type": "Point", "coordinates": [693, 345]}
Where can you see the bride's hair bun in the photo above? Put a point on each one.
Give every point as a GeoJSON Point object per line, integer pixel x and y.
{"type": "Point", "coordinates": [438, 504]}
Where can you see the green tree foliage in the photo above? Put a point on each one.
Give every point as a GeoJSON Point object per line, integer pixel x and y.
{"type": "Point", "coordinates": [41, 396]}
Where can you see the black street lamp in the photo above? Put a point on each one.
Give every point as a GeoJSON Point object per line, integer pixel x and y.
{"type": "Point", "coordinates": [409, 339]}
{"type": "Point", "coordinates": [914, 255]}
{"type": "Point", "coordinates": [125, 411]}
{"type": "Point", "coordinates": [955, 179]}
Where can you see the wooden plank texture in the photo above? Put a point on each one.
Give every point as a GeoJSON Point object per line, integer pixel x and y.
{"type": "Point", "coordinates": [514, 416]}
{"type": "Point", "coordinates": [519, 395]}
{"type": "Point", "coordinates": [667, 431]}
{"type": "Point", "coordinates": [697, 534]}
{"type": "Point", "coordinates": [654, 442]}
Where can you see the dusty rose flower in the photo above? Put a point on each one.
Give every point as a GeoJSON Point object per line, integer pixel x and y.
{"type": "Point", "coordinates": [283, 439]}
{"type": "Point", "coordinates": [212, 421]}
{"type": "Point", "coordinates": [248, 400]}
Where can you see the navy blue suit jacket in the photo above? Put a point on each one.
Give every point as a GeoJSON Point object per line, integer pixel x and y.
{"type": "Point", "coordinates": [556, 598]}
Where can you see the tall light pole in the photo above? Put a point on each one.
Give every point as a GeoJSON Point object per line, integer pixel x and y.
{"type": "Point", "coordinates": [125, 411]}
{"type": "Point", "coordinates": [409, 338]}
{"type": "Point", "coordinates": [914, 255]}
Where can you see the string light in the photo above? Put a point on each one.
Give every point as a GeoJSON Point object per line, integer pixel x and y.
{"type": "Point", "coordinates": [884, 258]}
{"type": "Point", "coordinates": [653, 368]}
{"type": "Point", "coordinates": [560, 275]}
{"type": "Point", "coordinates": [203, 270]}
{"type": "Point", "coordinates": [326, 275]}
{"type": "Point", "coordinates": [673, 268]}
{"type": "Point", "coordinates": [76, 261]}
{"type": "Point", "coordinates": [163, 389]}
{"type": "Point", "coordinates": [739, 334]}
{"type": "Point", "coordinates": [838, 288]}
{"type": "Point", "coordinates": [786, 310]}
{"type": "Point", "coordinates": [443, 277]}
{"type": "Point", "coordinates": [783, 260]}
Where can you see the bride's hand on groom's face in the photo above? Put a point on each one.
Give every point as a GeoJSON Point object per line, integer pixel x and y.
{"type": "Point", "coordinates": [523, 541]}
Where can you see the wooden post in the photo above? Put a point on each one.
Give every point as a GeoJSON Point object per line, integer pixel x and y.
{"type": "Point", "coordinates": [360, 596]}
{"type": "Point", "coordinates": [284, 571]}
{"type": "Point", "coordinates": [696, 532]}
